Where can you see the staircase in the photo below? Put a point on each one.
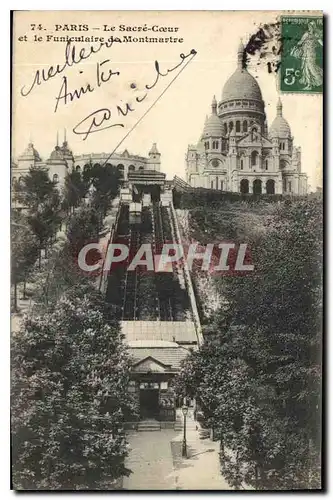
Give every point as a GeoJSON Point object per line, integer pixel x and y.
{"type": "Point", "coordinates": [149, 425]}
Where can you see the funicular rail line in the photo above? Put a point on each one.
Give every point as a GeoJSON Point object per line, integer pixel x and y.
{"type": "Point", "coordinates": [141, 294]}
{"type": "Point", "coordinates": [164, 280]}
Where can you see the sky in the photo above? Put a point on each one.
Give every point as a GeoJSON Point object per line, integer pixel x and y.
{"type": "Point", "coordinates": [177, 117]}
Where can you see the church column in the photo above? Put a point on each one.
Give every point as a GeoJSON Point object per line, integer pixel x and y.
{"type": "Point", "coordinates": [263, 186]}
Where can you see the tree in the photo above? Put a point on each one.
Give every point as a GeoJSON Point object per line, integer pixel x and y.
{"type": "Point", "coordinates": [83, 228]}
{"type": "Point", "coordinates": [258, 377]}
{"type": "Point", "coordinates": [74, 190]}
{"type": "Point", "coordinates": [69, 396]}
{"type": "Point", "coordinates": [45, 221]}
{"type": "Point", "coordinates": [56, 276]}
{"type": "Point", "coordinates": [105, 180]}
{"type": "Point", "coordinates": [35, 188]}
{"type": "Point", "coordinates": [24, 252]}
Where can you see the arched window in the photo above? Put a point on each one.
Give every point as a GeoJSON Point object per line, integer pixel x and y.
{"type": "Point", "coordinates": [20, 179]}
{"type": "Point", "coordinates": [244, 186]}
{"type": "Point", "coordinates": [131, 168]}
{"type": "Point", "coordinates": [78, 168]}
{"type": "Point", "coordinates": [215, 144]}
{"type": "Point", "coordinates": [56, 178]}
{"type": "Point", "coordinates": [121, 169]}
{"type": "Point", "coordinates": [86, 167]}
{"type": "Point", "coordinates": [225, 128]}
{"type": "Point", "coordinates": [108, 165]}
{"type": "Point", "coordinates": [283, 145]}
{"type": "Point", "coordinates": [97, 165]}
{"type": "Point", "coordinates": [257, 186]}
{"type": "Point", "coordinates": [270, 186]}
{"type": "Point", "coordinates": [241, 163]}
{"type": "Point", "coordinates": [254, 158]}
{"type": "Point", "coordinates": [231, 126]}
{"type": "Point", "coordinates": [141, 168]}
{"type": "Point", "coordinates": [238, 126]}
{"type": "Point", "coordinates": [206, 145]}
{"type": "Point", "coordinates": [244, 126]}
{"type": "Point", "coordinates": [266, 164]}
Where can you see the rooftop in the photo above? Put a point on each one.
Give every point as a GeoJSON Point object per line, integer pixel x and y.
{"type": "Point", "coordinates": [150, 332]}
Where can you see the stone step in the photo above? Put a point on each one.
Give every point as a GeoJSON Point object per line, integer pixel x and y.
{"type": "Point", "coordinates": [149, 426]}
{"type": "Point", "coordinates": [150, 429]}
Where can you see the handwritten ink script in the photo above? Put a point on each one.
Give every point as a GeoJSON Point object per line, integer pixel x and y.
{"type": "Point", "coordinates": [72, 57]}
{"type": "Point", "coordinates": [95, 120]}
{"type": "Point", "coordinates": [99, 119]}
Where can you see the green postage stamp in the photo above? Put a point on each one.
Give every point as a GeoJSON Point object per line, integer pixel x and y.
{"type": "Point", "coordinates": [302, 54]}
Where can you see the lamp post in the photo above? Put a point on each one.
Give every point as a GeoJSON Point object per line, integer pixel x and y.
{"type": "Point", "coordinates": [184, 447]}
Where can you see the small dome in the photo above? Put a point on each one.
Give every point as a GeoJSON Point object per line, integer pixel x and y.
{"type": "Point", "coordinates": [241, 84]}
{"type": "Point", "coordinates": [213, 125]}
{"type": "Point", "coordinates": [57, 154]}
{"type": "Point", "coordinates": [30, 153]}
{"type": "Point", "coordinates": [154, 150]}
{"type": "Point", "coordinates": [280, 127]}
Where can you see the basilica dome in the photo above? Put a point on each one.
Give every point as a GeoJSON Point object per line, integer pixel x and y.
{"type": "Point", "coordinates": [241, 84]}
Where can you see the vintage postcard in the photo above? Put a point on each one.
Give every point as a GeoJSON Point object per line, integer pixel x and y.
{"type": "Point", "coordinates": [166, 241]}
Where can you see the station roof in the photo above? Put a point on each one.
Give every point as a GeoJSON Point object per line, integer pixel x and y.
{"type": "Point", "coordinates": [168, 356]}
{"type": "Point", "coordinates": [181, 332]}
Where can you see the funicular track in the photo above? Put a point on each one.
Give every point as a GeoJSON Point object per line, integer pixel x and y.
{"type": "Point", "coordinates": [147, 298]}
{"type": "Point", "coordinates": [131, 278]}
{"type": "Point", "coordinates": [116, 278]}
{"type": "Point", "coordinates": [164, 280]}
{"type": "Point", "coordinates": [142, 294]}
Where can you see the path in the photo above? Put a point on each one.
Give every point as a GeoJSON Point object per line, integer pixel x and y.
{"type": "Point", "coordinates": [157, 464]}
{"type": "Point", "coordinates": [151, 461]}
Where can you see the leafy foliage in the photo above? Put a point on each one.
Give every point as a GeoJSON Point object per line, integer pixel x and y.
{"type": "Point", "coordinates": [24, 250]}
{"type": "Point", "coordinates": [257, 378]}
{"type": "Point", "coordinates": [105, 181]}
{"type": "Point", "coordinates": [69, 396]}
{"type": "Point", "coordinates": [83, 228]}
{"type": "Point", "coordinates": [59, 274]}
{"type": "Point", "coordinates": [74, 190]}
{"type": "Point", "coordinates": [35, 189]}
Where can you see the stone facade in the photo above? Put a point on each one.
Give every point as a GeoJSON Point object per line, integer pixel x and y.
{"type": "Point", "coordinates": [62, 161]}
{"type": "Point", "coordinates": [236, 151]}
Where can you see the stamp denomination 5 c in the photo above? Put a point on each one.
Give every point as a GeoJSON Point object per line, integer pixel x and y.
{"type": "Point", "coordinates": [302, 54]}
